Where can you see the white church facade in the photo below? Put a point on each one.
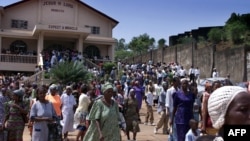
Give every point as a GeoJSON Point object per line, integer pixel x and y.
{"type": "Point", "coordinates": [29, 27]}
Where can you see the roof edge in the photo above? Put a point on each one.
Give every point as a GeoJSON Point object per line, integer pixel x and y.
{"type": "Point", "coordinates": [79, 1]}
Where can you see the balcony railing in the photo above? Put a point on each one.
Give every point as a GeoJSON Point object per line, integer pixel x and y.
{"type": "Point", "coordinates": [13, 58]}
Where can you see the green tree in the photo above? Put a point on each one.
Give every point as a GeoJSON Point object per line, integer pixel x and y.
{"type": "Point", "coordinates": [69, 72]}
{"type": "Point", "coordinates": [215, 35]}
{"type": "Point", "coordinates": [236, 32]}
{"type": "Point", "coordinates": [161, 43]}
{"type": "Point", "coordinates": [120, 44]}
{"type": "Point", "coordinates": [123, 54]}
{"type": "Point", "coordinates": [108, 66]}
{"type": "Point", "coordinates": [233, 18]}
{"type": "Point", "coordinates": [141, 43]}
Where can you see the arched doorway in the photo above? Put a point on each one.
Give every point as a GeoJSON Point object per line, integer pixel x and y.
{"type": "Point", "coordinates": [92, 51]}
{"type": "Point", "coordinates": [57, 47]}
{"type": "Point", "coordinates": [18, 47]}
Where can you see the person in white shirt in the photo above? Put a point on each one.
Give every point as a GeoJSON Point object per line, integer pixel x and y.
{"type": "Point", "coordinates": [149, 101]}
{"type": "Point", "coordinates": [182, 72]}
{"type": "Point", "coordinates": [161, 109]}
{"type": "Point", "coordinates": [215, 73]}
{"type": "Point", "coordinates": [191, 74]}
{"type": "Point", "coordinates": [169, 105]}
{"type": "Point", "coordinates": [68, 105]}
{"type": "Point", "coordinates": [81, 113]}
{"type": "Point", "coordinates": [197, 74]}
{"type": "Point", "coordinates": [53, 60]}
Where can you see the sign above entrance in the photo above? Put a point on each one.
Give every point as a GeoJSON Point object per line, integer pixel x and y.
{"type": "Point", "coordinates": [57, 5]}
{"type": "Point", "coordinates": [61, 27]}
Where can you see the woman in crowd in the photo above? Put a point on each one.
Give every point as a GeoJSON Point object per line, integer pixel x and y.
{"type": "Point", "coordinates": [131, 115]}
{"type": "Point", "coordinates": [139, 94]}
{"type": "Point", "coordinates": [104, 117]}
{"type": "Point", "coordinates": [81, 113]}
{"type": "Point", "coordinates": [15, 112]}
{"type": "Point", "coordinates": [3, 99]}
{"type": "Point", "coordinates": [229, 105]}
{"type": "Point", "coordinates": [207, 127]}
{"type": "Point", "coordinates": [197, 102]}
{"type": "Point", "coordinates": [42, 112]}
{"type": "Point", "coordinates": [54, 98]}
{"type": "Point", "coordinates": [183, 101]}
{"type": "Point", "coordinates": [68, 106]}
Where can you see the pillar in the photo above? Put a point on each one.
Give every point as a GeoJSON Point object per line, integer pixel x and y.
{"type": "Point", "coordinates": [40, 45]}
{"type": "Point", "coordinates": [0, 44]}
{"type": "Point", "coordinates": [80, 44]}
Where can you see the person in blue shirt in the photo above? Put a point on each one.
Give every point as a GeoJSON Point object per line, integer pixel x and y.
{"type": "Point", "coordinates": [193, 133]}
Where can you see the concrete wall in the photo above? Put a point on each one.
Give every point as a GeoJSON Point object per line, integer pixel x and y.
{"type": "Point", "coordinates": [231, 61]}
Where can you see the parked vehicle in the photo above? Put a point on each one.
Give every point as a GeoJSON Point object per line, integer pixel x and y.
{"type": "Point", "coordinates": [201, 86]}
{"type": "Point", "coordinates": [242, 84]}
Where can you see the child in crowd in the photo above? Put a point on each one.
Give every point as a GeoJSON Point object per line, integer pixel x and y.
{"type": "Point", "coordinates": [150, 102]}
{"type": "Point", "coordinates": [193, 132]}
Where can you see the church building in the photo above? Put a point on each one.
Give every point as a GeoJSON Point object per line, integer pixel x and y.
{"type": "Point", "coordinates": [29, 28]}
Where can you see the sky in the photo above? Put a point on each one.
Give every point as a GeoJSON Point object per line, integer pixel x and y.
{"type": "Point", "coordinates": [164, 18]}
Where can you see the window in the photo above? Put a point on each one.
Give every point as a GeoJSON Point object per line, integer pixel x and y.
{"type": "Point", "coordinates": [95, 30]}
{"type": "Point", "coordinates": [20, 24]}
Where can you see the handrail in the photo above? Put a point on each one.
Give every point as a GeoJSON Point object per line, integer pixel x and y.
{"type": "Point", "coordinates": [16, 58]}
{"type": "Point", "coordinates": [89, 63]}
{"type": "Point", "coordinates": [37, 77]}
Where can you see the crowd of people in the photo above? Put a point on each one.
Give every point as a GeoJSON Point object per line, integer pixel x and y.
{"type": "Point", "coordinates": [103, 110]}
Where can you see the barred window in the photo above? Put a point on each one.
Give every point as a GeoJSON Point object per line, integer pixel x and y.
{"type": "Point", "coordinates": [20, 24]}
{"type": "Point", "coordinates": [95, 30]}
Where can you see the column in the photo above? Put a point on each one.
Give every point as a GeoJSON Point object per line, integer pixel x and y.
{"type": "Point", "coordinates": [80, 44]}
{"type": "Point", "coordinates": [1, 44]}
{"type": "Point", "coordinates": [40, 46]}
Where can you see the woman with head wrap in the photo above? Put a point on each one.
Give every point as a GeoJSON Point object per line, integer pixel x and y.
{"type": "Point", "coordinates": [104, 117]}
{"type": "Point", "coordinates": [131, 114]}
{"type": "Point", "coordinates": [15, 112]}
{"type": "Point", "coordinates": [229, 105]}
{"type": "Point", "coordinates": [53, 97]}
{"type": "Point", "coordinates": [68, 105]}
{"type": "Point", "coordinates": [139, 94]}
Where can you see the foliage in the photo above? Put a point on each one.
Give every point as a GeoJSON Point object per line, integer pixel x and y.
{"type": "Point", "coordinates": [215, 35]}
{"type": "Point", "coordinates": [201, 42]}
{"type": "Point", "coordinates": [46, 75]}
{"type": "Point", "coordinates": [141, 44]}
{"type": "Point", "coordinates": [108, 66]}
{"type": "Point", "coordinates": [120, 45]}
{"type": "Point", "coordinates": [184, 40]}
{"type": "Point", "coordinates": [161, 43]}
{"type": "Point", "coordinates": [69, 72]}
{"type": "Point", "coordinates": [123, 54]}
{"type": "Point", "coordinates": [236, 32]}
{"type": "Point", "coordinates": [237, 27]}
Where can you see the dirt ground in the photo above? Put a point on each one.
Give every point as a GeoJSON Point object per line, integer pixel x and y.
{"type": "Point", "coordinates": [146, 133]}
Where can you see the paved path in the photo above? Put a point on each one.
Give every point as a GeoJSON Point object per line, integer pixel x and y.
{"type": "Point", "coordinates": [146, 133]}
